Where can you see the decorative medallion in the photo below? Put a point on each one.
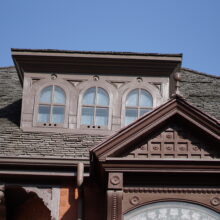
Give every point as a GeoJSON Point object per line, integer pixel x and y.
{"type": "Point", "coordinates": [139, 79]}
{"type": "Point", "coordinates": [96, 78]}
{"type": "Point", "coordinates": [169, 136]}
{"type": "Point", "coordinates": [195, 148]}
{"type": "Point", "coordinates": [115, 180]}
{"type": "Point", "coordinates": [182, 148]}
{"type": "Point", "coordinates": [215, 201]}
{"type": "Point", "coordinates": [53, 76]}
{"type": "Point", "coordinates": [155, 148]}
{"type": "Point", "coordinates": [135, 200]}
{"type": "Point", "coordinates": [143, 147]}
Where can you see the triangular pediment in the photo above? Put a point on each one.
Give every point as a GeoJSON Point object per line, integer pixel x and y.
{"type": "Point", "coordinates": [175, 140]}
{"type": "Point", "coordinates": [175, 130]}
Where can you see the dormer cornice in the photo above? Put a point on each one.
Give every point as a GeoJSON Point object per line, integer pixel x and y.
{"type": "Point", "coordinates": [63, 61]}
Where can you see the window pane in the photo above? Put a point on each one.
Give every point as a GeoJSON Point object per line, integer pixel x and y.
{"type": "Point", "coordinates": [102, 97]}
{"type": "Point", "coordinates": [89, 96]}
{"type": "Point", "coordinates": [43, 114]}
{"type": "Point", "coordinates": [87, 116]}
{"type": "Point", "coordinates": [45, 96]}
{"type": "Point", "coordinates": [132, 98]}
{"type": "Point", "coordinates": [58, 114]}
{"type": "Point", "coordinates": [144, 111]}
{"type": "Point", "coordinates": [59, 96]}
{"type": "Point", "coordinates": [130, 115]}
{"type": "Point", "coordinates": [101, 116]}
{"type": "Point", "coordinates": [145, 99]}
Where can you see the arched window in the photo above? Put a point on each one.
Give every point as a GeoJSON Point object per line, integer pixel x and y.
{"type": "Point", "coordinates": [95, 107]}
{"type": "Point", "coordinates": [172, 211]}
{"type": "Point", "coordinates": [138, 102]}
{"type": "Point", "coordinates": [51, 106]}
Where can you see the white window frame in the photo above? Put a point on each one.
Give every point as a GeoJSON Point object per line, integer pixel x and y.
{"type": "Point", "coordinates": [138, 107]}
{"type": "Point", "coordinates": [42, 84]}
{"type": "Point", "coordinates": [125, 90]}
{"type": "Point", "coordinates": [83, 87]}
{"type": "Point", "coordinates": [95, 106]}
{"type": "Point", "coordinates": [51, 105]}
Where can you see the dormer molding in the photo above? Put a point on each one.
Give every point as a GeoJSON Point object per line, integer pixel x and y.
{"type": "Point", "coordinates": [61, 61]}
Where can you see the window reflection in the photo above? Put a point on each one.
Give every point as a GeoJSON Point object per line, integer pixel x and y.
{"type": "Point", "coordinates": [95, 107]}
{"type": "Point", "coordinates": [51, 105]}
{"type": "Point", "coordinates": [138, 103]}
{"type": "Point", "coordinates": [46, 95]}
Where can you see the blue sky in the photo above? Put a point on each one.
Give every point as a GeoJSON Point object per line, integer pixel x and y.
{"type": "Point", "coordinates": [191, 27]}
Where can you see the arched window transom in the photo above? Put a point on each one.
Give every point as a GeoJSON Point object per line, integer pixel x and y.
{"type": "Point", "coordinates": [95, 107]}
{"type": "Point", "coordinates": [138, 103]}
{"type": "Point", "coordinates": [51, 107]}
{"type": "Point", "coordinates": [172, 211]}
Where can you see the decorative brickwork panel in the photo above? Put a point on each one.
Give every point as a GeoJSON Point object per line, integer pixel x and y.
{"type": "Point", "coordinates": [171, 143]}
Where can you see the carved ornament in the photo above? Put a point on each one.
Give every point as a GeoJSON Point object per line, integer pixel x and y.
{"type": "Point", "coordinates": [115, 181]}
{"type": "Point", "coordinates": [135, 200]}
{"type": "Point", "coordinates": [215, 201]}
{"type": "Point", "coordinates": [172, 143]}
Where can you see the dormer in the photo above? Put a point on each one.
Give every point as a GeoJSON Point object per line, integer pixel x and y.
{"type": "Point", "coordinates": [91, 92]}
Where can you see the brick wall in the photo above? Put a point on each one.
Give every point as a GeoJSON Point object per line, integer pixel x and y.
{"type": "Point", "coordinates": [93, 202]}
{"type": "Point", "coordinates": [68, 203]}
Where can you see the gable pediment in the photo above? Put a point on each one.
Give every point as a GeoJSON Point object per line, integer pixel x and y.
{"type": "Point", "coordinates": [175, 130]}
{"type": "Point", "coordinates": [175, 140]}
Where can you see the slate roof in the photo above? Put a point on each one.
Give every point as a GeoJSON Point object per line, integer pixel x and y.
{"type": "Point", "coordinates": [199, 89]}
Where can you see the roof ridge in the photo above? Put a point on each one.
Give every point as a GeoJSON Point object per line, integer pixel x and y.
{"type": "Point", "coordinates": [200, 73]}
{"type": "Point", "coordinates": [6, 67]}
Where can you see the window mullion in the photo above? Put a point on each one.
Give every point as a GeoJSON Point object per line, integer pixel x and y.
{"type": "Point", "coordinates": [139, 91]}
{"type": "Point", "coordinates": [96, 91]}
{"type": "Point", "coordinates": [95, 95]}
{"type": "Point", "coordinates": [94, 115]}
{"type": "Point", "coordinates": [138, 97]}
{"type": "Point", "coordinates": [52, 98]}
{"type": "Point", "coordinates": [51, 106]}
